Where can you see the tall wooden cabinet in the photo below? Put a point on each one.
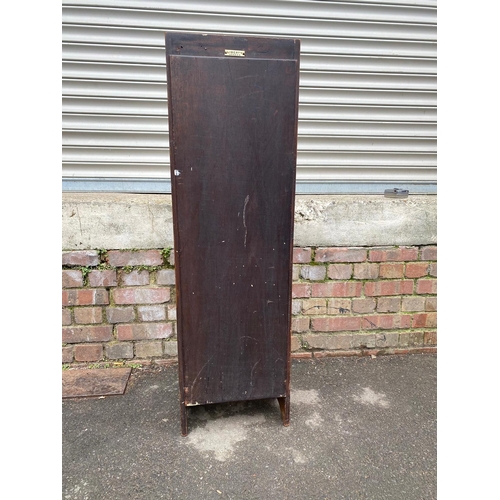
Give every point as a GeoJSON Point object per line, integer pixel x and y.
{"type": "Point", "coordinates": [232, 112]}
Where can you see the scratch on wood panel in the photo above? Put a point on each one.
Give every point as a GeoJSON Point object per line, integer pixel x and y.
{"type": "Point", "coordinates": [199, 373]}
{"type": "Point", "coordinates": [247, 337]}
{"type": "Point", "coordinates": [243, 345]}
{"type": "Point", "coordinates": [247, 76]}
{"type": "Point", "coordinates": [250, 93]}
{"type": "Point", "coordinates": [244, 216]}
{"type": "Point", "coordinates": [251, 373]}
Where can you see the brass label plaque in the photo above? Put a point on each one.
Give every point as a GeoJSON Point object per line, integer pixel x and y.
{"type": "Point", "coordinates": [234, 53]}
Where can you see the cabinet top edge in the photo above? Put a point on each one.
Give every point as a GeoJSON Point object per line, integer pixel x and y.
{"type": "Point", "coordinates": [210, 45]}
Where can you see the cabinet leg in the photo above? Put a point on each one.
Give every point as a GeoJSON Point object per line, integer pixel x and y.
{"type": "Point", "coordinates": [184, 421]}
{"type": "Point", "coordinates": [285, 410]}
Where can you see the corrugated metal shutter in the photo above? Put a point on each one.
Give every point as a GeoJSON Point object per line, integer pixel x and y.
{"type": "Point", "coordinates": [367, 113]}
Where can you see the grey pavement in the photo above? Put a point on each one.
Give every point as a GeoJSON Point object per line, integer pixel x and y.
{"type": "Point", "coordinates": [361, 428]}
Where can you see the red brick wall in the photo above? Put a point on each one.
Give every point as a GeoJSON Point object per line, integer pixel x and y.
{"type": "Point", "coordinates": [119, 306]}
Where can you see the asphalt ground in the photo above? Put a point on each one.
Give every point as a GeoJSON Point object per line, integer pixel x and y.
{"type": "Point", "coordinates": [361, 428]}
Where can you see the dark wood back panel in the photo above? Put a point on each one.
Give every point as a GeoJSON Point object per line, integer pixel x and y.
{"type": "Point", "coordinates": [233, 129]}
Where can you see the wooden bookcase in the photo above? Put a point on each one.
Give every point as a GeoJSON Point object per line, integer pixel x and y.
{"type": "Point", "coordinates": [232, 113]}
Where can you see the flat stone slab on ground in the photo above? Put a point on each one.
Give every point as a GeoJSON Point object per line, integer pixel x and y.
{"type": "Point", "coordinates": [94, 382]}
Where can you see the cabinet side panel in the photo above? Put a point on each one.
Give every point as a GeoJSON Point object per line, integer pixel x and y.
{"type": "Point", "coordinates": [234, 156]}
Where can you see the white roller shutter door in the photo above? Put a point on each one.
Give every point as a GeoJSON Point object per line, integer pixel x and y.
{"type": "Point", "coordinates": [367, 112]}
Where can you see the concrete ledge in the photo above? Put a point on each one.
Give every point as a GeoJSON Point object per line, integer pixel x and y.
{"type": "Point", "coordinates": [116, 221]}
{"type": "Point", "coordinates": [123, 220]}
{"type": "Point", "coordinates": [365, 220]}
